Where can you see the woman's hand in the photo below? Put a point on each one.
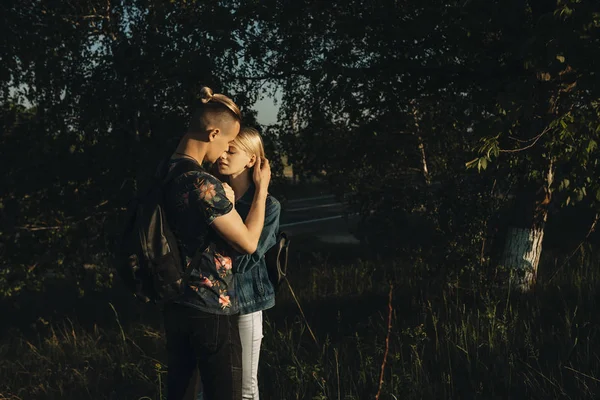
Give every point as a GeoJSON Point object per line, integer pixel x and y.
{"type": "Point", "coordinates": [262, 174]}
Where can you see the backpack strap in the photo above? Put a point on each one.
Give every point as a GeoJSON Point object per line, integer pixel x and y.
{"type": "Point", "coordinates": [284, 242]}
{"type": "Point", "coordinates": [195, 260]}
{"type": "Point", "coordinates": [182, 166]}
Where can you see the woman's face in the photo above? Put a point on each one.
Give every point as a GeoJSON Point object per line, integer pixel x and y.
{"type": "Point", "coordinates": [234, 161]}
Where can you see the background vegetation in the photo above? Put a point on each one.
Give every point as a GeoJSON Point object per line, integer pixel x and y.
{"type": "Point", "coordinates": [448, 126]}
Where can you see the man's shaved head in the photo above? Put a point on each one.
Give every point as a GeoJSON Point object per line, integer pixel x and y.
{"type": "Point", "coordinates": [207, 118]}
{"type": "Point", "coordinates": [214, 111]}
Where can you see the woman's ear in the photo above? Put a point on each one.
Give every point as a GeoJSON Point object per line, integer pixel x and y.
{"type": "Point", "coordinates": [252, 161]}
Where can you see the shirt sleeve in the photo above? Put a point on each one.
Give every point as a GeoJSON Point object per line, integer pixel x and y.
{"type": "Point", "coordinates": [268, 238]}
{"type": "Point", "coordinates": [209, 195]}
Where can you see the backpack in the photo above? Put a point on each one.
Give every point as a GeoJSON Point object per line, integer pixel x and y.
{"type": "Point", "coordinates": [276, 259]}
{"type": "Point", "coordinates": [148, 258]}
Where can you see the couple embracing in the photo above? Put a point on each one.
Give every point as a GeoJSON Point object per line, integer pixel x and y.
{"type": "Point", "coordinates": [215, 329]}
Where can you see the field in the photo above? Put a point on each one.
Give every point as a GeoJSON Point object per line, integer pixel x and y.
{"type": "Point", "coordinates": [444, 341]}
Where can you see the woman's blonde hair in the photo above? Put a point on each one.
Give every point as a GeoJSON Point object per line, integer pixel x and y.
{"type": "Point", "coordinates": [250, 141]}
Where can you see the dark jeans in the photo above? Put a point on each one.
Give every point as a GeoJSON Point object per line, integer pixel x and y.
{"type": "Point", "coordinates": [209, 342]}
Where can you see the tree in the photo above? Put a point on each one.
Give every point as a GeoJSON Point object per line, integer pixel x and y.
{"type": "Point", "coordinates": [106, 89]}
{"type": "Point", "coordinates": [546, 125]}
{"type": "Point", "coordinates": [513, 79]}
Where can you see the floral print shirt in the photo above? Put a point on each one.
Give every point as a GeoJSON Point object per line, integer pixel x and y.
{"type": "Point", "coordinates": [193, 201]}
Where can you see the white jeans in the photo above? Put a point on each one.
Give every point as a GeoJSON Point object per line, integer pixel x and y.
{"type": "Point", "coordinates": [251, 334]}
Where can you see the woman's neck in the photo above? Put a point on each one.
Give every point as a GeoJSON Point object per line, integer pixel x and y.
{"type": "Point", "coordinates": [240, 183]}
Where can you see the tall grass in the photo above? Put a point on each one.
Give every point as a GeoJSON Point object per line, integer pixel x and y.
{"type": "Point", "coordinates": [446, 342]}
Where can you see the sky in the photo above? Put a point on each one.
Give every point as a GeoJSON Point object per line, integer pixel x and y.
{"type": "Point", "coordinates": [267, 110]}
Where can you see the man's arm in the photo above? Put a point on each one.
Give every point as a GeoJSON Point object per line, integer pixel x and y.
{"type": "Point", "coordinates": [243, 237]}
{"type": "Point", "coordinates": [268, 238]}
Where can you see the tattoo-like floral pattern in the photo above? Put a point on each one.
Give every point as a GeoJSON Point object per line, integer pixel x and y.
{"type": "Point", "coordinates": [198, 198]}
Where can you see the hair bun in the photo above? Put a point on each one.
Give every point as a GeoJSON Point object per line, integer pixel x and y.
{"type": "Point", "coordinates": [206, 94]}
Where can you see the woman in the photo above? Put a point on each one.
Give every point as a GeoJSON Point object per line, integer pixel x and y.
{"type": "Point", "coordinates": [254, 291]}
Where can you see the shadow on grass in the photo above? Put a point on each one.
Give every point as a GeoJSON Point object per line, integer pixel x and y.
{"type": "Point", "coordinates": [445, 342]}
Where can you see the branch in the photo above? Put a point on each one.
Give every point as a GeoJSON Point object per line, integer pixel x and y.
{"type": "Point", "coordinates": [387, 341]}
{"type": "Point", "coordinates": [36, 228]}
{"type": "Point", "coordinates": [94, 16]}
{"type": "Point", "coordinates": [535, 140]}
{"type": "Point", "coordinates": [527, 140]}
{"type": "Point", "coordinates": [31, 228]}
{"type": "Point", "coordinates": [270, 76]}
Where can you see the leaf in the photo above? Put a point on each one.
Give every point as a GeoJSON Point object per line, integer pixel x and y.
{"type": "Point", "coordinates": [496, 151]}
{"type": "Point", "coordinates": [482, 164]}
{"type": "Point", "coordinates": [493, 149]}
{"type": "Point", "coordinates": [560, 58]}
{"type": "Point", "coordinates": [592, 145]}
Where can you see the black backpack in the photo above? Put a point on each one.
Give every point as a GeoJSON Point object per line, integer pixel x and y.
{"type": "Point", "coordinates": [276, 259]}
{"type": "Point", "coordinates": [148, 257]}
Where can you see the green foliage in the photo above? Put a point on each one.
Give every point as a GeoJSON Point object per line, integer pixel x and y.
{"type": "Point", "coordinates": [92, 96]}
{"type": "Point", "coordinates": [97, 93]}
{"type": "Point", "coordinates": [510, 86]}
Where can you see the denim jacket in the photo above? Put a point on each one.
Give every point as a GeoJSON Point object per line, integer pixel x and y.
{"type": "Point", "coordinates": [253, 287]}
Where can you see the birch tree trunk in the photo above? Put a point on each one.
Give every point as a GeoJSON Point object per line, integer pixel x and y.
{"type": "Point", "coordinates": [523, 245]}
{"type": "Point", "coordinates": [420, 143]}
{"type": "Point", "coordinates": [522, 253]}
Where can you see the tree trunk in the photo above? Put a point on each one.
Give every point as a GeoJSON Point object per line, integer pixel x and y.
{"type": "Point", "coordinates": [523, 245]}
{"type": "Point", "coordinates": [420, 143]}
{"type": "Point", "coordinates": [522, 253]}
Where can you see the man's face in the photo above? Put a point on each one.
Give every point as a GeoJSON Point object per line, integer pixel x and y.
{"type": "Point", "coordinates": [227, 132]}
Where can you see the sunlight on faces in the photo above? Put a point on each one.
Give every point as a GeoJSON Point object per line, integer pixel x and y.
{"type": "Point", "coordinates": [242, 153]}
{"type": "Point", "coordinates": [234, 161]}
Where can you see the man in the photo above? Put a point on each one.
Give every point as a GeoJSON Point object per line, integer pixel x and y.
{"type": "Point", "coordinates": [201, 328]}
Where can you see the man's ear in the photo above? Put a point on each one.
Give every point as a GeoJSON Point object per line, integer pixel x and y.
{"type": "Point", "coordinates": [252, 161]}
{"type": "Point", "coordinates": [212, 134]}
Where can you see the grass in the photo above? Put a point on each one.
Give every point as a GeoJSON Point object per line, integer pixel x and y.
{"type": "Point", "coordinates": [445, 342]}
